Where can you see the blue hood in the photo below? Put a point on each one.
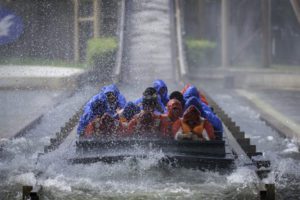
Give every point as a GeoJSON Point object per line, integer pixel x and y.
{"type": "Point", "coordinates": [158, 84]}
{"type": "Point", "coordinates": [207, 113]}
{"type": "Point", "coordinates": [193, 101]}
{"type": "Point", "coordinates": [111, 88]}
{"type": "Point", "coordinates": [192, 91]}
{"type": "Point", "coordinates": [114, 89]}
{"type": "Point", "coordinates": [97, 106]}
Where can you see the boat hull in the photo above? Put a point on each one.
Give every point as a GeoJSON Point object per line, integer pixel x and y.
{"type": "Point", "coordinates": [212, 155]}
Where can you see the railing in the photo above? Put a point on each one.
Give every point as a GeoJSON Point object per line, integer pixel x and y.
{"type": "Point", "coordinates": [116, 76]}
{"type": "Point", "coordinates": [183, 70]}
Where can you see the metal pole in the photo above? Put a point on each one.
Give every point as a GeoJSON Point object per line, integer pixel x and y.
{"type": "Point", "coordinates": [76, 31]}
{"type": "Point", "coordinates": [266, 29]}
{"type": "Point", "coordinates": [296, 7]}
{"type": "Point", "coordinates": [182, 66]}
{"type": "Point", "coordinates": [96, 19]}
{"type": "Point", "coordinates": [224, 32]}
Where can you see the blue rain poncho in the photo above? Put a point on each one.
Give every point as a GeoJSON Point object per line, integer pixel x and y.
{"type": "Point", "coordinates": [192, 91]}
{"type": "Point", "coordinates": [158, 85]}
{"type": "Point", "coordinates": [96, 106]}
{"type": "Point", "coordinates": [207, 113]}
{"type": "Point", "coordinates": [121, 101]}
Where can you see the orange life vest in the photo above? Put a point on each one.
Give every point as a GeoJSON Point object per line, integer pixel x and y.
{"type": "Point", "coordinates": [196, 130]}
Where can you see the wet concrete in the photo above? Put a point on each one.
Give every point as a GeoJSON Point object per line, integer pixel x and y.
{"type": "Point", "coordinates": [282, 152]}
{"type": "Point", "coordinates": [280, 120]}
{"type": "Point", "coordinates": [286, 102]}
{"type": "Point", "coordinates": [248, 77]}
{"type": "Point", "coordinates": [41, 77]}
{"type": "Point", "coordinates": [28, 92]}
{"type": "Point", "coordinates": [21, 107]}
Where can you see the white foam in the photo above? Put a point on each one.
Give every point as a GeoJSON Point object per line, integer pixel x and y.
{"type": "Point", "coordinates": [58, 182]}
{"type": "Point", "coordinates": [24, 179]}
{"type": "Point", "coordinates": [291, 148]}
{"type": "Point", "coordinates": [270, 138]}
{"type": "Point", "coordinates": [242, 175]}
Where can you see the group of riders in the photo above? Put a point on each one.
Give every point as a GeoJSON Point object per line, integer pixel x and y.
{"type": "Point", "coordinates": [181, 115]}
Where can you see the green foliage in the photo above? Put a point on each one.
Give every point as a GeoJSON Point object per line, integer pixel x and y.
{"type": "Point", "coordinates": [99, 49]}
{"type": "Point", "coordinates": [199, 52]}
{"type": "Point", "coordinates": [200, 45]}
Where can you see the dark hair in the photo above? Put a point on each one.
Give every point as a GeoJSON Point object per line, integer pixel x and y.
{"type": "Point", "coordinates": [179, 96]}
{"type": "Point", "coordinates": [150, 92]}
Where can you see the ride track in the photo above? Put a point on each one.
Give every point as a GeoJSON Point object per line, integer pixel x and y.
{"type": "Point", "coordinates": [244, 153]}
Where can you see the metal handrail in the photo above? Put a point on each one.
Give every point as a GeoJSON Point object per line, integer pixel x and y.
{"type": "Point", "coordinates": [116, 76]}
{"type": "Point", "coordinates": [180, 48]}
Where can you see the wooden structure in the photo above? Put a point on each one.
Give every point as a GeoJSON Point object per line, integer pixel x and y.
{"type": "Point", "coordinates": [79, 20]}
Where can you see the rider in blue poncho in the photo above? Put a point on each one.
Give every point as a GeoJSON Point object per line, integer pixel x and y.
{"type": "Point", "coordinates": [109, 100]}
{"type": "Point", "coordinates": [97, 106]}
{"type": "Point", "coordinates": [115, 100]}
{"type": "Point", "coordinates": [192, 97]}
{"type": "Point", "coordinates": [162, 91]}
{"type": "Point", "coordinates": [195, 102]}
{"type": "Point", "coordinates": [161, 108]}
{"type": "Point", "coordinates": [192, 91]}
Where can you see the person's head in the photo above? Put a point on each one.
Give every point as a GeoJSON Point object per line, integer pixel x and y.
{"type": "Point", "coordinates": [149, 101]}
{"type": "Point", "coordinates": [178, 96]}
{"type": "Point", "coordinates": [130, 110]}
{"type": "Point", "coordinates": [161, 88]}
{"type": "Point", "coordinates": [111, 92]}
{"type": "Point", "coordinates": [191, 91]}
{"type": "Point", "coordinates": [193, 101]}
{"type": "Point", "coordinates": [111, 97]}
{"type": "Point", "coordinates": [174, 109]}
{"type": "Point", "coordinates": [192, 116]}
{"type": "Point", "coordinates": [98, 107]}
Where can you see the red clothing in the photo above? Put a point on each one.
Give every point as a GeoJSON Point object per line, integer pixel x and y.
{"type": "Point", "coordinates": [105, 125]}
{"type": "Point", "coordinates": [144, 123]}
{"type": "Point", "coordinates": [168, 128]}
{"type": "Point", "coordinates": [170, 122]}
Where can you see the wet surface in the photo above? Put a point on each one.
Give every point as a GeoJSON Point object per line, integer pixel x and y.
{"type": "Point", "coordinates": [143, 178]}
{"type": "Point", "coordinates": [20, 107]}
{"type": "Point", "coordinates": [132, 179]}
{"type": "Point", "coordinates": [148, 34]}
{"type": "Point", "coordinates": [287, 102]}
{"type": "Point", "coordinates": [283, 153]}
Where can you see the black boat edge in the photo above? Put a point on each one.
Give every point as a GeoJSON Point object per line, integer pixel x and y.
{"type": "Point", "coordinates": [205, 155]}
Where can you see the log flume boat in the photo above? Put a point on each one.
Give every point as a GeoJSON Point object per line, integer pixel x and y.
{"type": "Point", "coordinates": [212, 155]}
